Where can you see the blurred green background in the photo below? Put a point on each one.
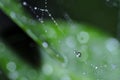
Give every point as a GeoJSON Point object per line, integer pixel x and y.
{"type": "Point", "coordinates": [48, 48]}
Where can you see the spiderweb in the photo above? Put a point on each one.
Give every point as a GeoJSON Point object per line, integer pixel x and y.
{"type": "Point", "coordinates": [40, 12]}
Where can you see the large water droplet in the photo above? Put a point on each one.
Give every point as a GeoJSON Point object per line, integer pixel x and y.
{"type": "Point", "coordinates": [11, 66]}
{"type": "Point", "coordinates": [83, 37]}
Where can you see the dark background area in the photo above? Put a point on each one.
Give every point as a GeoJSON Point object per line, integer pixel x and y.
{"type": "Point", "coordinates": [19, 41]}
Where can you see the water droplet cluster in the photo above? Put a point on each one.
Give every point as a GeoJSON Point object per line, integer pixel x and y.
{"type": "Point", "coordinates": [42, 11]}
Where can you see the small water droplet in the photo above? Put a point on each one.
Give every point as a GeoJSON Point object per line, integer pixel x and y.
{"type": "Point", "coordinates": [50, 15]}
{"type": "Point", "coordinates": [45, 44]}
{"type": "Point", "coordinates": [96, 67]}
{"type": "Point", "coordinates": [24, 3]}
{"type": "Point", "coordinates": [35, 8]}
{"type": "Point", "coordinates": [41, 20]}
{"type": "Point", "coordinates": [46, 10]}
{"type": "Point", "coordinates": [78, 54]}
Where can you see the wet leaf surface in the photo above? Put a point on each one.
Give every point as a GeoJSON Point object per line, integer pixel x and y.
{"type": "Point", "coordinates": [99, 51]}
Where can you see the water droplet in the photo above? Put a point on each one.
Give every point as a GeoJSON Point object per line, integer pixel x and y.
{"type": "Point", "coordinates": [11, 66]}
{"type": "Point", "coordinates": [12, 14]}
{"type": "Point", "coordinates": [66, 77]}
{"type": "Point", "coordinates": [35, 8]}
{"type": "Point", "coordinates": [45, 44]}
{"type": "Point", "coordinates": [43, 10]}
{"type": "Point", "coordinates": [24, 3]}
{"type": "Point", "coordinates": [46, 10]}
{"type": "Point", "coordinates": [78, 54]}
{"type": "Point", "coordinates": [112, 45]}
{"type": "Point", "coordinates": [41, 20]}
{"type": "Point", "coordinates": [96, 67]}
{"type": "Point", "coordinates": [83, 37]}
{"type": "Point", "coordinates": [50, 15]}
{"type": "Point", "coordinates": [47, 69]}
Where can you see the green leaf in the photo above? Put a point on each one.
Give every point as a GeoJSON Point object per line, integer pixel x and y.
{"type": "Point", "coordinates": [60, 45]}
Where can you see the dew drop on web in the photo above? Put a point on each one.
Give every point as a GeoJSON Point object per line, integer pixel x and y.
{"type": "Point", "coordinates": [42, 11]}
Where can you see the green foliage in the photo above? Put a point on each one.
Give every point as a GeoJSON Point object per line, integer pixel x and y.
{"type": "Point", "coordinates": [59, 44]}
